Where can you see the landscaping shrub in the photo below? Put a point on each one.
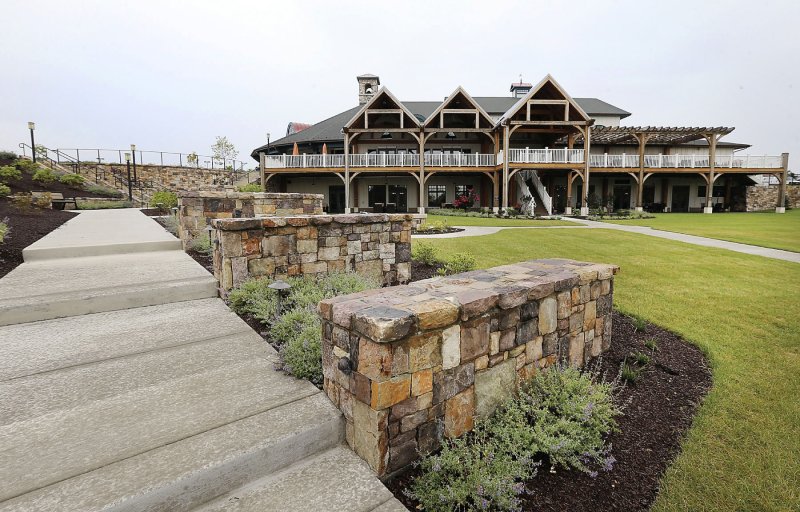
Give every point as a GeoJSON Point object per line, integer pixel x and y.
{"type": "Point", "coordinates": [4, 229]}
{"type": "Point", "coordinates": [200, 244]}
{"type": "Point", "coordinates": [8, 173]}
{"type": "Point", "coordinates": [471, 474]}
{"type": "Point", "coordinates": [449, 212]}
{"type": "Point", "coordinates": [458, 263]}
{"type": "Point", "coordinates": [165, 198]}
{"type": "Point", "coordinates": [26, 166]}
{"type": "Point", "coordinates": [72, 180]}
{"type": "Point", "coordinates": [43, 201]}
{"type": "Point", "coordinates": [22, 201]}
{"type": "Point", "coordinates": [432, 226]}
{"type": "Point", "coordinates": [250, 187]}
{"type": "Point", "coordinates": [103, 191]}
{"type": "Point", "coordinates": [254, 298]}
{"type": "Point", "coordinates": [44, 176]}
{"type": "Point", "coordinates": [424, 253]}
{"type": "Point", "coordinates": [170, 223]}
{"type": "Point", "coordinates": [297, 331]}
{"type": "Point", "coordinates": [563, 413]}
{"type": "Point", "coordinates": [5, 190]}
{"type": "Point", "coordinates": [8, 156]}
{"type": "Point", "coordinates": [103, 205]}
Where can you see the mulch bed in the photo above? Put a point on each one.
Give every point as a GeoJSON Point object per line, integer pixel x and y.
{"type": "Point", "coordinates": [27, 226]}
{"type": "Point", "coordinates": [437, 231]}
{"type": "Point", "coordinates": [202, 258]}
{"type": "Point", "coordinates": [663, 402]}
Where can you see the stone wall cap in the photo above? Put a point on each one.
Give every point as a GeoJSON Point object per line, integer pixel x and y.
{"type": "Point", "coordinates": [388, 314]}
{"type": "Point", "coordinates": [232, 194]}
{"type": "Point", "coordinates": [306, 220]}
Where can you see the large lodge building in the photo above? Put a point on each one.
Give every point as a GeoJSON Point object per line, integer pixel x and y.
{"type": "Point", "coordinates": [525, 150]}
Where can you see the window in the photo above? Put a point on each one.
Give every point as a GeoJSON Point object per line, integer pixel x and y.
{"type": "Point", "coordinates": [436, 195]}
{"type": "Point", "coordinates": [463, 190]}
{"type": "Point", "coordinates": [376, 194]}
{"type": "Point", "coordinates": [717, 191]}
{"type": "Point", "coordinates": [701, 191]}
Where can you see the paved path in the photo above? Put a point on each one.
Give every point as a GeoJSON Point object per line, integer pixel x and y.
{"type": "Point", "coordinates": [641, 230]}
{"type": "Point", "coordinates": [126, 384]}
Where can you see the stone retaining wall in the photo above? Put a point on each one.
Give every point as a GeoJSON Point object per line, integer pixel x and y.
{"type": "Point", "coordinates": [766, 198]}
{"type": "Point", "coordinates": [196, 209]}
{"type": "Point", "coordinates": [408, 365]}
{"type": "Point", "coordinates": [376, 245]}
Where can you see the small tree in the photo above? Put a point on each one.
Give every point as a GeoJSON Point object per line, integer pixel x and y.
{"type": "Point", "coordinates": [223, 149]}
{"type": "Point", "coordinates": [191, 158]}
{"type": "Point", "coordinates": [41, 151]}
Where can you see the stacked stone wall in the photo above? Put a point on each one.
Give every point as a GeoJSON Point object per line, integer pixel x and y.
{"type": "Point", "coordinates": [410, 365]}
{"type": "Point", "coordinates": [176, 178]}
{"type": "Point", "coordinates": [375, 245]}
{"type": "Point", "coordinates": [197, 209]}
{"type": "Point", "coordinates": [766, 198]}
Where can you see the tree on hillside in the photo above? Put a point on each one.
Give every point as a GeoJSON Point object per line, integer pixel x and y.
{"type": "Point", "coordinates": [223, 150]}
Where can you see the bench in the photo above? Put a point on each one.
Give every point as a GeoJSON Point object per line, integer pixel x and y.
{"type": "Point", "coordinates": [61, 204]}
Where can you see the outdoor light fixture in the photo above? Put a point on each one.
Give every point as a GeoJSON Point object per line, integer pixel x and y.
{"type": "Point", "coordinates": [128, 166]}
{"type": "Point", "coordinates": [282, 287]}
{"type": "Point", "coordinates": [386, 135]}
{"type": "Point", "coordinates": [31, 127]}
{"type": "Point", "coordinates": [209, 230]}
{"type": "Point", "coordinates": [451, 135]}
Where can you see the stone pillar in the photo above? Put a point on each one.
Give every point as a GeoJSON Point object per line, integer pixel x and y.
{"type": "Point", "coordinates": [411, 365]}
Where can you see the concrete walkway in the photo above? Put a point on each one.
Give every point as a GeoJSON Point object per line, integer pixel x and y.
{"type": "Point", "coordinates": [126, 384]}
{"type": "Point", "coordinates": [641, 230]}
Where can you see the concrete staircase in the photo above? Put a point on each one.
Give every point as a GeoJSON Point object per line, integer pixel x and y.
{"type": "Point", "coordinates": [126, 385]}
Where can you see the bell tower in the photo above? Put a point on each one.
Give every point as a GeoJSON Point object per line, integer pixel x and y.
{"type": "Point", "coordinates": [367, 87]}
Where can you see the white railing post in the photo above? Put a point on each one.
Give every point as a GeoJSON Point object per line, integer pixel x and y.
{"type": "Point", "coordinates": [692, 160]}
{"type": "Point", "coordinates": [623, 160]}
{"type": "Point", "coordinates": [605, 159]}
{"type": "Point", "coordinates": [660, 160]}
{"type": "Point", "coordinates": [304, 160]}
{"type": "Point", "coordinates": [730, 164]}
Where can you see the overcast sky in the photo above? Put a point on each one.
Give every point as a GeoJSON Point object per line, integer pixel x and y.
{"type": "Point", "coordinates": [173, 75]}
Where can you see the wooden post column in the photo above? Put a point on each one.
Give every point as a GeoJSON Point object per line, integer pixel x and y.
{"type": "Point", "coordinates": [781, 206]}
{"type": "Point", "coordinates": [642, 138]}
{"type": "Point", "coordinates": [347, 173]}
{"type": "Point", "coordinates": [422, 196]}
{"type": "Point", "coordinates": [587, 146]}
{"type": "Point", "coordinates": [506, 137]}
{"type": "Point", "coordinates": [262, 163]}
{"type": "Point", "coordinates": [712, 155]}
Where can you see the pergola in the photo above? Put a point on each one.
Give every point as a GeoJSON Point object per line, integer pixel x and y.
{"type": "Point", "coordinates": [661, 136]}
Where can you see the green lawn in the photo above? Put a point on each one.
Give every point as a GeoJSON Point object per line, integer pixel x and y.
{"type": "Point", "coordinates": [767, 229]}
{"type": "Point", "coordinates": [743, 452]}
{"type": "Point", "coordinates": [493, 221]}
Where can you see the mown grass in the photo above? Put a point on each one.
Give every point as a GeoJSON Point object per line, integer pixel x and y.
{"type": "Point", "coordinates": [765, 229]}
{"type": "Point", "coordinates": [743, 451]}
{"type": "Point", "coordinates": [453, 220]}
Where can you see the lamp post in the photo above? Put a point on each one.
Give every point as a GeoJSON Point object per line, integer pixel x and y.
{"type": "Point", "coordinates": [133, 151]}
{"type": "Point", "coordinates": [128, 165]}
{"type": "Point", "coordinates": [31, 127]}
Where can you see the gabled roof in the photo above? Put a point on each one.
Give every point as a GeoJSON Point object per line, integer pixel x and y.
{"type": "Point", "coordinates": [383, 92]}
{"type": "Point", "coordinates": [547, 80]}
{"type": "Point", "coordinates": [449, 100]}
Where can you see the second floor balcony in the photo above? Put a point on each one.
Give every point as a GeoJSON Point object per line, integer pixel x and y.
{"type": "Point", "coordinates": [362, 160]}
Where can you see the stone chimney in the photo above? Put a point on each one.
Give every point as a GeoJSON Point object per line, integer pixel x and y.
{"type": "Point", "coordinates": [367, 87]}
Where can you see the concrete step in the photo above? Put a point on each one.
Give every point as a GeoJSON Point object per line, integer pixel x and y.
{"type": "Point", "coordinates": [102, 233]}
{"type": "Point", "coordinates": [181, 475]}
{"type": "Point", "coordinates": [46, 289]}
{"type": "Point", "coordinates": [333, 480]}
{"type": "Point", "coordinates": [40, 347]}
{"type": "Point", "coordinates": [82, 437]}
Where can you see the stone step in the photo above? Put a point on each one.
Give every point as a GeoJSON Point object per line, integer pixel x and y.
{"type": "Point", "coordinates": [333, 480]}
{"type": "Point", "coordinates": [46, 289]}
{"type": "Point", "coordinates": [102, 233]}
{"type": "Point", "coordinates": [64, 443]}
{"type": "Point", "coordinates": [181, 475]}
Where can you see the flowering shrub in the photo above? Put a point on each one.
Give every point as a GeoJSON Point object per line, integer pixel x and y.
{"type": "Point", "coordinates": [467, 200]}
{"type": "Point", "coordinates": [563, 413]}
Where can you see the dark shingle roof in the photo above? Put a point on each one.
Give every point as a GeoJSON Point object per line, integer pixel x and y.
{"type": "Point", "coordinates": [330, 130]}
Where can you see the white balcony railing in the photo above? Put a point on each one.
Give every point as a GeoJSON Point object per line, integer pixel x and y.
{"type": "Point", "coordinates": [545, 156]}
{"type": "Point", "coordinates": [380, 160]}
{"type": "Point", "coordinates": [522, 156]}
{"type": "Point", "coordinates": [685, 161]}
